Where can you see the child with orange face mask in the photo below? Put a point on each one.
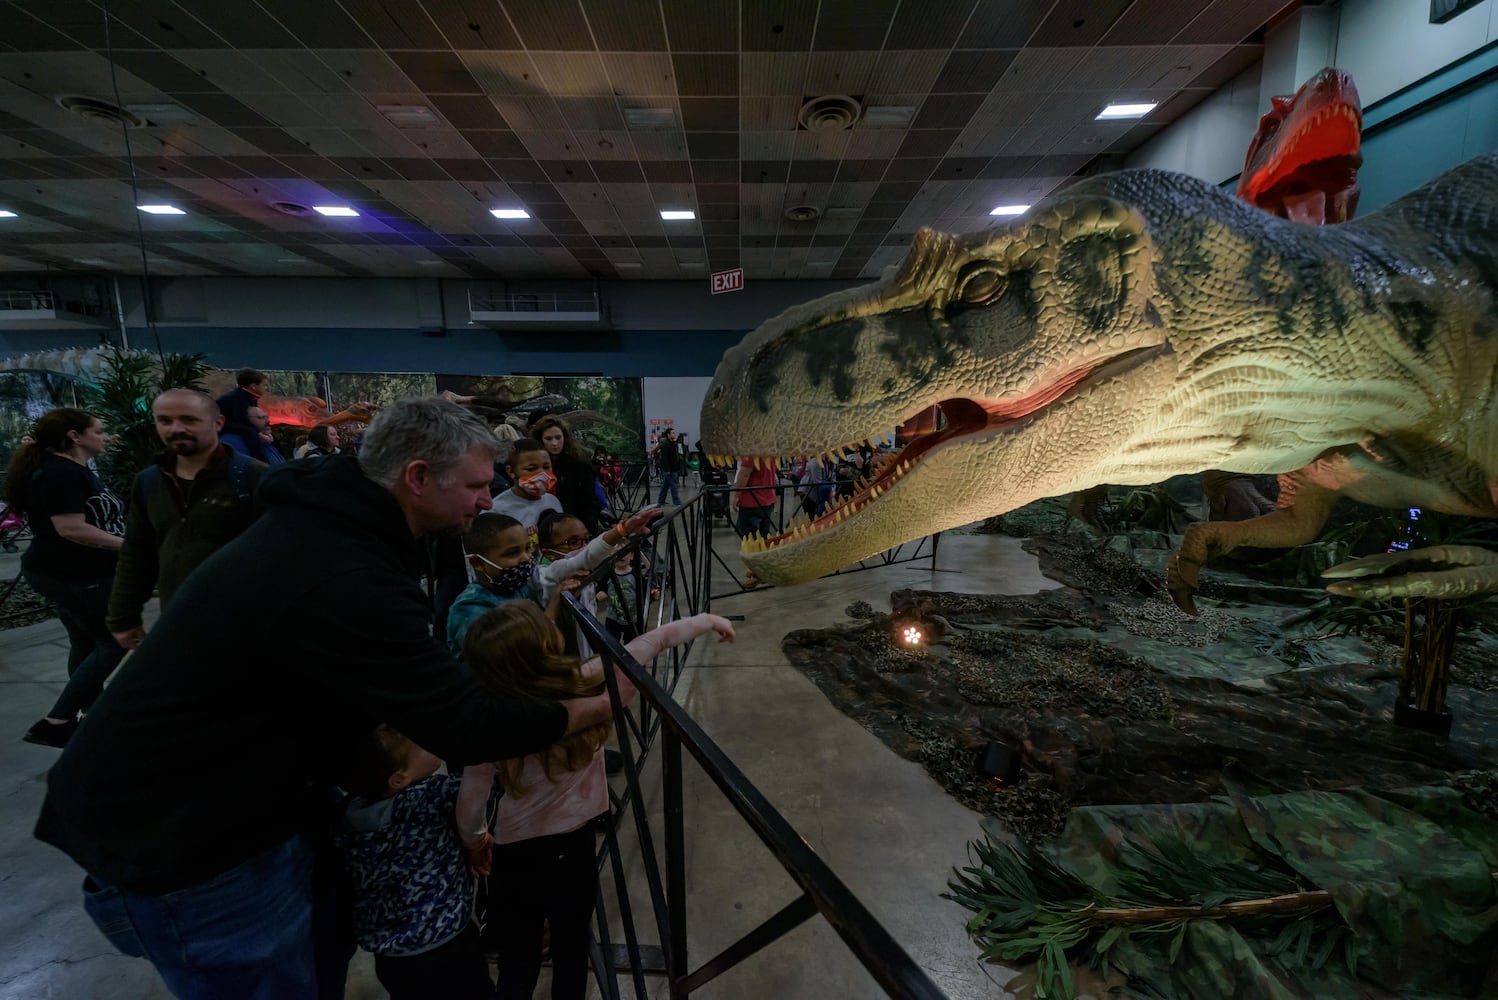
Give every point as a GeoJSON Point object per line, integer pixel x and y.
{"type": "Point", "coordinates": [534, 492]}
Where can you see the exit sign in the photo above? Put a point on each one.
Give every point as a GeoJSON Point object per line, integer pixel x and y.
{"type": "Point", "coordinates": [728, 281]}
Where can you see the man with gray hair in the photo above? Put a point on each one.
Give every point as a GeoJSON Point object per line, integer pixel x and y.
{"type": "Point", "coordinates": [194, 793]}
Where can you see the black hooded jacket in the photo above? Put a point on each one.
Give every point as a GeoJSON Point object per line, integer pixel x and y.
{"type": "Point", "coordinates": [218, 739]}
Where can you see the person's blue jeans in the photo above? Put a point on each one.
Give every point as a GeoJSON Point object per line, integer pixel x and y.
{"type": "Point", "coordinates": [92, 652]}
{"type": "Point", "coordinates": [671, 480]}
{"type": "Point", "coordinates": [246, 933]}
{"type": "Point", "coordinates": [755, 521]}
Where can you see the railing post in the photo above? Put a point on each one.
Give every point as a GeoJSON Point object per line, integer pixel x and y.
{"type": "Point", "coordinates": [676, 854]}
{"type": "Point", "coordinates": [706, 534]}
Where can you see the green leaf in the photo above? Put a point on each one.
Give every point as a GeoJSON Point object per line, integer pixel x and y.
{"type": "Point", "coordinates": [1177, 941]}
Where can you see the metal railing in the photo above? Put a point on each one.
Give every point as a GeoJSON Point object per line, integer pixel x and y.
{"type": "Point", "coordinates": [787, 502]}
{"type": "Point", "coordinates": [655, 715]}
{"type": "Point", "coordinates": [530, 302]}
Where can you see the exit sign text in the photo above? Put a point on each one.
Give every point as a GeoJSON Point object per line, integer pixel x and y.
{"type": "Point", "coordinates": [728, 281]}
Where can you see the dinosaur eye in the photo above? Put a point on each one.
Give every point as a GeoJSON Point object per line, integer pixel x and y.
{"type": "Point", "coordinates": [981, 286]}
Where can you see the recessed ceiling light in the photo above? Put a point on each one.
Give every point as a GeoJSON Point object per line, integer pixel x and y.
{"type": "Point", "coordinates": [1125, 111]}
{"type": "Point", "coordinates": [509, 213]}
{"type": "Point", "coordinates": [888, 114]}
{"type": "Point", "coordinates": [1010, 210]}
{"type": "Point", "coordinates": [690, 263]}
{"type": "Point", "coordinates": [409, 115]}
{"type": "Point", "coordinates": [649, 117]}
{"type": "Point", "coordinates": [6, 213]}
{"type": "Point", "coordinates": [340, 211]}
{"type": "Point", "coordinates": [161, 209]}
{"type": "Point", "coordinates": [627, 264]}
{"type": "Point", "coordinates": [673, 214]}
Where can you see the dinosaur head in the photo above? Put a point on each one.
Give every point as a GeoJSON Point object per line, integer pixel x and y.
{"type": "Point", "coordinates": [1006, 332]}
{"type": "Point", "coordinates": [1302, 163]}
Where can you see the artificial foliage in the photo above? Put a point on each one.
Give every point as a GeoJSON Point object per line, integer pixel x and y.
{"type": "Point", "coordinates": [121, 398]}
{"type": "Point", "coordinates": [1028, 907]}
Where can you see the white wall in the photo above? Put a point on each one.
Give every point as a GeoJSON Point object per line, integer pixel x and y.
{"type": "Point", "coordinates": [1389, 44]}
{"type": "Point", "coordinates": [1211, 140]}
{"type": "Point", "coordinates": [676, 399]}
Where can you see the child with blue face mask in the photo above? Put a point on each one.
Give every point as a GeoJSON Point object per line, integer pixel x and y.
{"type": "Point", "coordinates": [499, 550]}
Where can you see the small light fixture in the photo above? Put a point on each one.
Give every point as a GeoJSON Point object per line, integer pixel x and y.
{"type": "Point", "coordinates": [911, 635]}
{"type": "Point", "coordinates": [671, 214]}
{"type": "Point", "coordinates": [161, 209]}
{"type": "Point", "coordinates": [627, 264]}
{"type": "Point", "coordinates": [6, 213]}
{"type": "Point", "coordinates": [1009, 210]}
{"type": "Point", "coordinates": [1115, 111]}
{"type": "Point", "coordinates": [509, 213]}
{"type": "Point", "coordinates": [338, 211]}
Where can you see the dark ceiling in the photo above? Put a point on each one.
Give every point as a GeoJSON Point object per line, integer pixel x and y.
{"type": "Point", "coordinates": [593, 115]}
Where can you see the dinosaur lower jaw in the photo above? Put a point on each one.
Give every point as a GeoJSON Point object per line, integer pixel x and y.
{"type": "Point", "coordinates": [936, 427]}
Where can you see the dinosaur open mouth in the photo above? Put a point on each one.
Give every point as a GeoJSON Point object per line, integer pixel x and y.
{"type": "Point", "coordinates": [920, 434]}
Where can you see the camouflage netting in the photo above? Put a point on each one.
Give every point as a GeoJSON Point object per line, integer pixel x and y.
{"type": "Point", "coordinates": [1129, 718]}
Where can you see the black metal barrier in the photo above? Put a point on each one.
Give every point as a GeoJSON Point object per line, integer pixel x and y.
{"type": "Point", "coordinates": [715, 503]}
{"type": "Point", "coordinates": [655, 714]}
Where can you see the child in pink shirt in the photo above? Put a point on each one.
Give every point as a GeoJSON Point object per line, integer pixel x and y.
{"type": "Point", "coordinates": [543, 864]}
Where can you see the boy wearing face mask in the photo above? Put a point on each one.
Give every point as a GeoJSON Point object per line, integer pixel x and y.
{"type": "Point", "coordinates": [500, 554]}
{"type": "Point", "coordinates": [534, 492]}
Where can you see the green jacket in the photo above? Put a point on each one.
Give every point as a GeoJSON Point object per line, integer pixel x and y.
{"type": "Point", "coordinates": [173, 526]}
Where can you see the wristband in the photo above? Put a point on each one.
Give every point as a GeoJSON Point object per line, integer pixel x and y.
{"type": "Point", "coordinates": [621, 530]}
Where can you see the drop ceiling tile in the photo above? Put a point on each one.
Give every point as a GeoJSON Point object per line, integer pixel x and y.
{"type": "Point", "coordinates": [640, 74]}
{"type": "Point", "coordinates": [1040, 69]}
{"type": "Point", "coordinates": [551, 27]}
{"type": "Point", "coordinates": [773, 74]}
{"type": "Point", "coordinates": [532, 113]}
{"type": "Point", "coordinates": [905, 70]}
{"type": "Point", "coordinates": [851, 25]}
{"type": "Point", "coordinates": [660, 145]}
{"type": "Point", "coordinates": [767, 145]}
{"type": "Point", "coordinates": [840, 72]}
{"type": "Point", "coordinates": [596, 114]}
{"type": "Point", "coordinates": [506, 73]}
{"type": "Point", "coordinates": [572, 74]}
{"type": "Point", "coordinates": [758, 114]}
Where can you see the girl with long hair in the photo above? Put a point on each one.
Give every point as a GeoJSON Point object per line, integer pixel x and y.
{"type": "Point", "coordinates": [542, 838]}
{"type": "Point", "coordinates": [577, 483]}
{"type": "Point", "coordinates": [77, 528]}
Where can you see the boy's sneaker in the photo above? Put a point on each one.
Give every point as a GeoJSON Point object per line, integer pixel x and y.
{"type": "Point", "coordinates": [51, 734]}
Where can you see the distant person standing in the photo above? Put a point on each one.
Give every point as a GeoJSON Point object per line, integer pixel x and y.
{"type": "Point", "coordinates": [78, 527]}
{"type": "Point", "coordinates": [668, 463]}
{"type": "Point", "coordinates": [235, 404]}
{"type": "Point", "coordinates": [197, 495]}
{"type": "Point", "coordinates": [260, 421]}
{"type": "Point", "coordinates": [322, 441]}
{"type": "Point", "coordinates": [577, 483]}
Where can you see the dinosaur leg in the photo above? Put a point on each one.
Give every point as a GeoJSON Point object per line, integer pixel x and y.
{"type": "Point", "coordinates": [1303, 509]}
{"type": "Point", "coordinates": [1442, 571]}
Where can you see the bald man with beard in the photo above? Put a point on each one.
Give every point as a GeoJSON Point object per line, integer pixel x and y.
{"type": "Point", "coordinates": [197, 495]}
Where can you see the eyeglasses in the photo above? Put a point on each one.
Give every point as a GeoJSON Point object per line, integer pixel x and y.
{"type": "Point", "coordinates": [569, 544]}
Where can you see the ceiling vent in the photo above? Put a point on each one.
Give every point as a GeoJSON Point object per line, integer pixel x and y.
{"type": "Point", "coordinates": [98, 111]}
{"type": "Point", "coordinates": [802, 213]}
{"type": "Point", "coordinates": [409, 115]}
{"type": "Point", "coordinates": [829, 114]}
{"type": "Point", "coordinates": [291, 208]}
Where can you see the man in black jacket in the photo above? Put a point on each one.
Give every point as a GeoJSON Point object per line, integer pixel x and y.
{"type": "Point", "coordinates": [191, 789]}
{"type": "Point", "coordinates": [198, 495]}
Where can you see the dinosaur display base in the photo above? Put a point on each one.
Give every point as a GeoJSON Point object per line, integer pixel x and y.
{"type": "Point", "coordinates": [1226, 734]}
{"type": "Point", "coordinates": [1438, 723]}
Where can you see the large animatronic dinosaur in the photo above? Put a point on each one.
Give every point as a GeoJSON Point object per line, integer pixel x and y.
{"type": "Point", "coordinates": [1141, 325]}
{"type": "Point", "coordinates": [1303, 161]}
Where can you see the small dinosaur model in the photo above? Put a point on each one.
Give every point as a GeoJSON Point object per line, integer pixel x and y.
{"type": "Point", "coordinates": [1141, 325]}
{"type": "Point", "coordinates": [1303, 161]}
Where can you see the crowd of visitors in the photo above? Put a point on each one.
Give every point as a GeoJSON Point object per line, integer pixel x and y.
{"type": "Point", "coordinates": [244, 821]}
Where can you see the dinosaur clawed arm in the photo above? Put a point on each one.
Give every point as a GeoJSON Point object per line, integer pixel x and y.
{"type": "Point", "coordinates": [1441, 571]}
{"type": "Point", "coordinates": [1303, 509]}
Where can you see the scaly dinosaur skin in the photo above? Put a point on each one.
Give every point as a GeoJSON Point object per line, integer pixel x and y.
{"type": "Point", "coordinates": [1303, 161]}
{"type": "Point", "coordinates": [1133, 327]}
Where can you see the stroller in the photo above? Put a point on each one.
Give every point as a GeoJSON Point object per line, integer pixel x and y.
{"type": "Point", "coordinates": [12, 527]}
{"type": "Point", "coordinates": [717, 499]}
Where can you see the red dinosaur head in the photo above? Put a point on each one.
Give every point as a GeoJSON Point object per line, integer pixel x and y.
{"type": "Point", "coordinates": [1303, 161]}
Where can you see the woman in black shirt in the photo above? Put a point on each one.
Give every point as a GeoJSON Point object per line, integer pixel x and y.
{"type": "Point", "coordinates": [577, 486]}
{"type": "Point", "coordinates": [77, 527]}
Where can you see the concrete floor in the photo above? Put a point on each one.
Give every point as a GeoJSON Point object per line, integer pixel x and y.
{"type": "Point", "coordinates": [881, 824]}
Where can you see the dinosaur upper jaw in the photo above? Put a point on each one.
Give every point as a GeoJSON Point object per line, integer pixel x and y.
{"type": "Point", "coordinates": [967, 432]}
